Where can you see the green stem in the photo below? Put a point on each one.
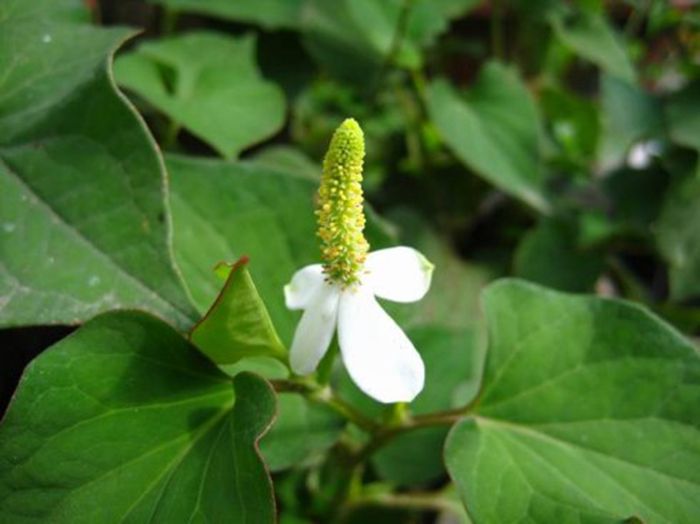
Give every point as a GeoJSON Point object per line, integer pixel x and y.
{"type": "Point", "coordinates": [168, 25]}
{"type": "Point", "coordinates": [400, 421]}
{"type": "Point", "coordinates": [324, 371]}
{"type": "Point", "coordinates": [419, 84]}
{"type": "Point", "coordinates": [324, 395]}
{"type": "Point", "coordinates": [170, 135]}
{"type": "Point", "coordinates": [385, 434]}
{"type": "Point", "coordinates": [629, 283]}
{"type": "Point", "coordinates": [398, 414]}
{"type": "Point", "coordinates": [417, 501]}
{"type": "Point", "coordinates": [399, 33]}
{"type": "Point", "coordinates": [168, 21]}
{"type": "Point", "coordinates": [290, 386]}
{"type": "Point", "coordinates": [395, 46]}
{"type": "Point", "coordinates": [636, 18]}
{"type": "Point", "coordinates": [346, 410]}
{"type": "Point", "coordinates": [412, 112]}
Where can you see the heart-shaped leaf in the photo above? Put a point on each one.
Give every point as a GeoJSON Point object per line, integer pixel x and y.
{"type": "Point", "coordinates": [494, 130]}
{"type": "Point", "coordinates": [208, 83]}
{"type": "Point", "coordinates": [124, 421]}
{"type": "Point", "coordinates": [589, 410]}
{"type": "Point", "coordinates": [84, 225]}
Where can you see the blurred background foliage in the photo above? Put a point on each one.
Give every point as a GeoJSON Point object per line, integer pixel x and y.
{"type": "Point", "coordinates": [553, 140]}
{"type": "Point", "coordinates": [556, 141]}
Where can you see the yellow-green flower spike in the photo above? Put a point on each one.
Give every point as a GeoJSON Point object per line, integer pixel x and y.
{"type": "Point", "coordinates": [341, 218]}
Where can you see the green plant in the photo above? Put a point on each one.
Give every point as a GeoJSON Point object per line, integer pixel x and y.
{"type": "Point", "coordinates": [528, 150]}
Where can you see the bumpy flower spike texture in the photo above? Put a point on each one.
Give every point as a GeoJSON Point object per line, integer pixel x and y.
{"type": "Point", "coordinates": [341, 293]}
{"type": "Point", "coordinates": [341, 218]}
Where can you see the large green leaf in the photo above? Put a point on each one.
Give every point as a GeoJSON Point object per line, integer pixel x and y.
{"type": "Point", "coordinates": [494, 130]}
{"type": "Point", "coordinates": [589, 410]}
{"type": "Point", "coordinates": [208, 83]}
{"type": "Point", "coordinates": [48, 50]}
{"type": "Point", "coordinates": [678, 237]}
{"type": "Point", "coordinates": [237, 325]}
{"type": "Point", "coordinates": [222, 211]}
{"type": "Point", "coordinates": [84, 225]}
{"type": "Point", "coordinates": [589, 34]}
{"type": "Point", "coordinates": [124, 421]}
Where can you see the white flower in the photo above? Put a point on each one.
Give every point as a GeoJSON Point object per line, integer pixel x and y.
{"type": "Point", "coordinates": [376, 352]}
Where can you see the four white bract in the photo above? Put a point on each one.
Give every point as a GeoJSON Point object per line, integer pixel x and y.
{"type": "Point", "coordinates": [376, 352]}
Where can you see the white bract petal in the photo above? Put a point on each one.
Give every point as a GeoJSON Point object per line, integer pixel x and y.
{"type": "Point", "coordinates": [377, 353]}
{"type": "Point", "coordinates": [315, 330]}
{"type": "Point", "coordinates": [303, 286]}
{"type": "Point", "coordinates": [400, 274]}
